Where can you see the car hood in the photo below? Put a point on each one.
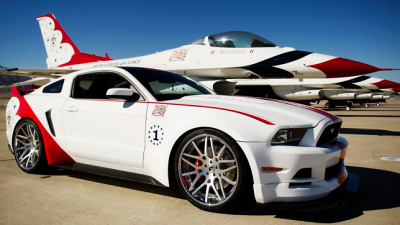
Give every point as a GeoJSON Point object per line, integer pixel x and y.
{"type": "Point", "coordinates": [274, 111]}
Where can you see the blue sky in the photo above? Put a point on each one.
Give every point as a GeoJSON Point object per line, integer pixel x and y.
{"type": "Point", "coordinates": [366, 31]}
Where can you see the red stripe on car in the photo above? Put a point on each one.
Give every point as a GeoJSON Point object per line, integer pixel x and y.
{"type": "Point", "coordinates": [219, 108]}
{"type": "Point", "coordinates": [54, 153]}
{"type": "Point", "coordinates": [330, 116]}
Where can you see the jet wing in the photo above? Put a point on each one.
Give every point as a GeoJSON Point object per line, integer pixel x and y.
{"type": "Point", "coordinates": [50, 73]}
{"type": "Point", "coordinates": [39, 81]}
{"type": "Point", "coordinates": [310, 83]}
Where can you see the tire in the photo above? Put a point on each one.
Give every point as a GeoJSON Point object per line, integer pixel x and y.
{"type": "Point", "coordinates": [349, 104]}
{"type": "Point", "coordinates": [216, 180]}
{"type": "Point", "coordinates": [28, 147]}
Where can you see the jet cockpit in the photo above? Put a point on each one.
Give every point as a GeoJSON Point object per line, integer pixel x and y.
{"type": "Point", "coordinates": [234, 39]}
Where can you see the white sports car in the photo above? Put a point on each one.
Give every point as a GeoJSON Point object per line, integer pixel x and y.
{"type": "Point", "coordinates": [158, 127]}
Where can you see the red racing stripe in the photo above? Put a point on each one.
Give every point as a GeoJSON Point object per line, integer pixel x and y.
{"type": "Point", "coordinates": [219, 108]}
{"type": "Point", "coordinates": [200, 106]}
{"type": "Point", "coordinates": [330, 116]}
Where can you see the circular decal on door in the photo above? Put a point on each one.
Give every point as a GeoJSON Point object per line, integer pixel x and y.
{"type": "Point", "coordinates": [155, 135]}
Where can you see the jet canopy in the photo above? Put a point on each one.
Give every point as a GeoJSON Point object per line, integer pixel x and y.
{"type": "Point", "coordinates": [234, 39]}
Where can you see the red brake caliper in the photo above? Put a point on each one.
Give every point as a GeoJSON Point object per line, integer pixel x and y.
{"type": "Point", "coordinates": [196, 163]}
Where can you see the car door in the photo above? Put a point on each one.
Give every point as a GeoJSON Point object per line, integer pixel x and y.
{"type": "Point", "coordinates": [100, 131]}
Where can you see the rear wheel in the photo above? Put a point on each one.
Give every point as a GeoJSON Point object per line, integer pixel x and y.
{"type": "Point", "coordinates": [28, 147]}
{"type": "Point", "coordinates": [210, 170]}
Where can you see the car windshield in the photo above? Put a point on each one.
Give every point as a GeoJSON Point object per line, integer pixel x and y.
{"type": "Point", "coordinates": [235, 39]}
{"type": "Point", "coordinates": [167, 86]}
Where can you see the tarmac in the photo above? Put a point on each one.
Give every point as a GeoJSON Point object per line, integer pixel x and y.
{"type": "Point", "coordinates": [68, 197]}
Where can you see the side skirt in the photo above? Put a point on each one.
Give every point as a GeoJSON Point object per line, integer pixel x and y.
{"type": "Point", "coordinates": [110, 173]}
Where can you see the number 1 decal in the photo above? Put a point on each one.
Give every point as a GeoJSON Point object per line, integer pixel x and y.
{"type": "Point", "coordinates": [156, 135]}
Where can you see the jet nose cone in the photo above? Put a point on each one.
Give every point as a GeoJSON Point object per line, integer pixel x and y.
{"type": "Point", "coordinates": [340, 67]}
{"type": "Point", "coordinates": [386, 84]}
{"type": "Point", "coordinates": [396, 89]}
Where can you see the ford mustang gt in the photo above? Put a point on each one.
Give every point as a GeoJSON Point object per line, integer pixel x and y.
{"type": "Point", "coordinates": [162, 128]}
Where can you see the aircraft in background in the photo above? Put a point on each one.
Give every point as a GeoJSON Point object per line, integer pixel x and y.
{"type": "Point", "coordinates": [211, 60]}
{"type": "Point", "coordinates": [344, 91]}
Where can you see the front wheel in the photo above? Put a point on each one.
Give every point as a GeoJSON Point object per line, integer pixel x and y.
{"type": "Point", "coordinates": [211, 171]}
{"type": "Point", "coordinates": [28, 147]}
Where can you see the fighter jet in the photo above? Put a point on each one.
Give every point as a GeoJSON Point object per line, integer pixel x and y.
{"type": "Point", "coordinates": [344, 91]}
{"type": "Point", "coordinates": [234, 54]}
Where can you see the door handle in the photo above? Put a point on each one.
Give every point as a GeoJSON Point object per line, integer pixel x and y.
{"type": "Point", "coordinates": [72, 109]}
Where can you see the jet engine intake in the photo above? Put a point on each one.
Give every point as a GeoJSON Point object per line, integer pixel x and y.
{"type": "Point", "coordinates": [221, 87]}
{"type": "Point", "coordinates": [339, 95]}
{"type": "Point", "coordinates": [297, 93]}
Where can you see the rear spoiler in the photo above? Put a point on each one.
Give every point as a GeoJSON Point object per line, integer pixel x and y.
{"type": "Point", "coordinates": [15, 91]}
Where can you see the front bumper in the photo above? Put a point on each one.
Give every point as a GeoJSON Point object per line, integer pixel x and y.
{"type": "Point", "coordinates": [337, 198]}
{"type": "Point", "coordinates": [296, 173]}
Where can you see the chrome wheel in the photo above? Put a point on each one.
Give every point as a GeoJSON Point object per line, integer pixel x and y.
{"type": "Point", "coordinates": [28, 146]}
{"type": "Point", "coordinates": [209, 170]}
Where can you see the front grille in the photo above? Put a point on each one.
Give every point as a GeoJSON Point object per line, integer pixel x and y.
{"type": "Point", "coordinates": [292, 185]}
{"type": "Point", "coordinates": [303, 173]}
{"type": "Point", "coordinates": [333, 171]}
{"type": "Point", "coordinates": [330, 134]}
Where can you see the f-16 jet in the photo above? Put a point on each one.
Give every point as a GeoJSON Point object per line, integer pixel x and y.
{"type": "Point", "coordinates": [234, 54]}
{"type": "Point", "coordinates": [343, 91]}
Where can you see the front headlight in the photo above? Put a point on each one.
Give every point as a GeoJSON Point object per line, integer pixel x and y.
{"type": "Point", "coordinates": [291, 136]}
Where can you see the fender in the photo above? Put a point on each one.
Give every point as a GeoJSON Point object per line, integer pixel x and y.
{"type": "Point", "coordinates": [54, 153]}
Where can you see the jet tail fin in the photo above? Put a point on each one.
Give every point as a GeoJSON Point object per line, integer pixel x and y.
{"type": "Point", "coordinates": [61, 50]}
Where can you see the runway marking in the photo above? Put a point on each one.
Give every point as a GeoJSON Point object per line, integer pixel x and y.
{"type": "Point", "coordinates": [390, 159]}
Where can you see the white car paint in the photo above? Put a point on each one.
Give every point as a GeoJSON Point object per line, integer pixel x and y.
{"type": "Point", "coordinates": [139, 137]}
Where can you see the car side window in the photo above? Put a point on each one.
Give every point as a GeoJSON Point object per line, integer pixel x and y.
{"type": "Point", "coordinates": [55, 87]}
{"type": "Point", "coordinates": [95, 86]}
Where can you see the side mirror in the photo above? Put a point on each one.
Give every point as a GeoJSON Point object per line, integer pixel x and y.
{"type": "Point", "coordinates": [122, 93]}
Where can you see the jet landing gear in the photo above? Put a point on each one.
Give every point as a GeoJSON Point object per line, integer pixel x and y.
{"type": "Point", "coordinates": [332, 104]}
{"type": "Point", "coordinates": [349, 105]}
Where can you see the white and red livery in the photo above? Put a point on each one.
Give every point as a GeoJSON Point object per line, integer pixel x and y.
{"type": "Point", "coordinates": [162, 128]}
{"type": "Point", "coordinates": [233, 54]}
